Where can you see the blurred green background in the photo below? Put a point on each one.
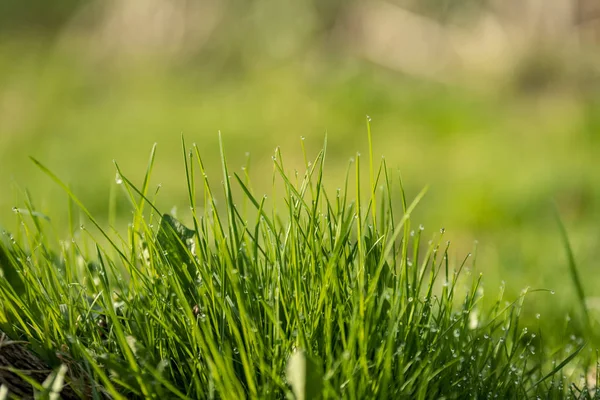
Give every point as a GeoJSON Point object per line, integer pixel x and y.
{"type": "Point", "coordinates": [493, 103]}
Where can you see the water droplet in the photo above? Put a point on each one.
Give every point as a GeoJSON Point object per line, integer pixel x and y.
{"type": "Point", "coordinates": [537, 316]}
{"type": "Point", "coordinates": [368, 118]}
{"type": "Point", "coordinates": [118, 178]}
{"type": "Point", "coordinates": [442, 230]}
{"type": "Point", "coordinates": [552, 292]}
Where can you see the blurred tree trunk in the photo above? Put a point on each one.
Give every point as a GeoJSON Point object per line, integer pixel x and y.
{"type": "Point", "coordinates": [15, 355]}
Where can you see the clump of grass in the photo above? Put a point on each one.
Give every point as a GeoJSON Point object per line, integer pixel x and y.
{"type": "Point", "coordinates": [333, 294]}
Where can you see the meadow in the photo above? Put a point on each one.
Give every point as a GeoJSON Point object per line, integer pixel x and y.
{"type": "Point", "coordinates": [330, 294]}
{"type": "Point", "coordinates": [496, 158]}
{"type": "Point", "coordinates": [327, 280]}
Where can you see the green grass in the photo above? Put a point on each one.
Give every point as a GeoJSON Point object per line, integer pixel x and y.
{"type": "Point", "coordinates": [310, 291]}
{"type": "Point", "coordinates": [495, 160]}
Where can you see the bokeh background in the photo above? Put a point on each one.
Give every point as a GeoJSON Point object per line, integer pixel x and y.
{"type": "Point", "coordinates": [494, 103]}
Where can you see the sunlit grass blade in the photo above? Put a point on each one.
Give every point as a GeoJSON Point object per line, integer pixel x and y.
{"type": "Point", "coordinates": [574, 273]}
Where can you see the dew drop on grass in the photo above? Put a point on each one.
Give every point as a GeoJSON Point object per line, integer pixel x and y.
{"type": "Point", "coordinates": [368, 118]}
{"type": "Point", "coordinates": [552, 292]}
{"type": "Point", "coordinates": [537, 316]}
{"type": "Point", "coordinates": [410, 299]}
{"type": "Point", "coordinates": [118, 179]}
{"type": "Point", "coordinates": [456, 333]}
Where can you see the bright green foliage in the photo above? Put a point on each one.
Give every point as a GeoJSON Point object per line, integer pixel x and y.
{"type": "Point", "coordinates": [333, 293]}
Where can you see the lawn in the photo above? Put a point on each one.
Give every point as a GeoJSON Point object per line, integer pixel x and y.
{"type": "Point", "coordinates": [496, 159]}
{"type": "Point", "coordinates": [305, 276]}
{"type": "Point", "coordinates": [318, 293]}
